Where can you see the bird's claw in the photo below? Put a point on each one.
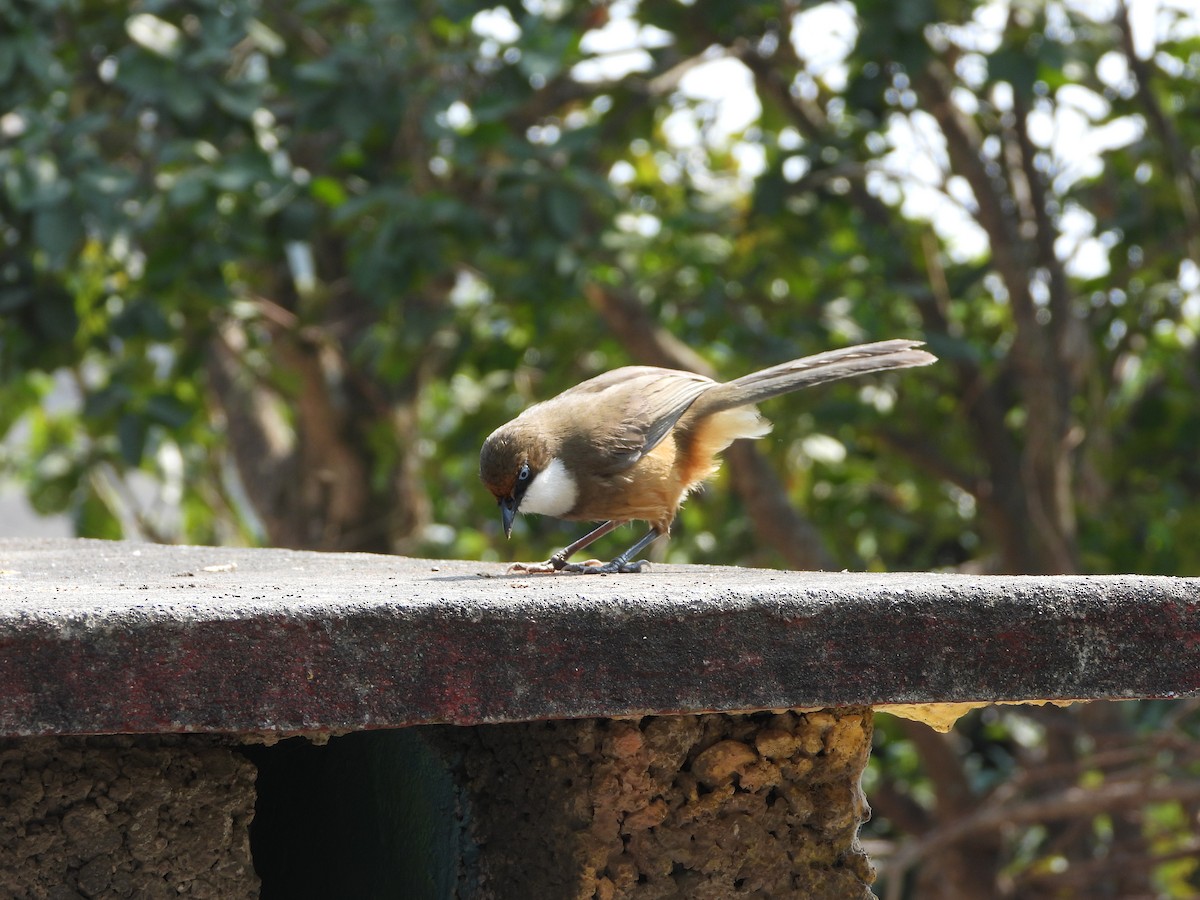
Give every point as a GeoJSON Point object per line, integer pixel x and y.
{"type": "Point", "coordinates": [591, 567]}
{"type": "Point", "coordinates": [595, 567]}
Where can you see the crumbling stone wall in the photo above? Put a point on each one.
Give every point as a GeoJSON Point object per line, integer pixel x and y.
{"type": "Point", "coordinates": [695, 807]}
{"type": "Point", "coordinates": [714, 806]}
{"type": "Point", "coordinates": [123, 816]}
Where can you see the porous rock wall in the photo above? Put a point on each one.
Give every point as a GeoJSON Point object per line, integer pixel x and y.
{"type": "Point", "coordinates": [143, 817]}
{"type": "Point", "coordinates": [713, 806]}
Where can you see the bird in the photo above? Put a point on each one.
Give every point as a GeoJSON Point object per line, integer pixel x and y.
{"type": "Point", "coordinates": [632, 443]}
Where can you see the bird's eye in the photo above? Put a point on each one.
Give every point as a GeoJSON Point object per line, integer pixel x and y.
{"type": "Point", "coordinates": [523, 474]}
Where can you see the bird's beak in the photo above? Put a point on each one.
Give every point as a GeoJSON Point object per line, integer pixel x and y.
{"type": "Point", "coordinates": [508, 512]}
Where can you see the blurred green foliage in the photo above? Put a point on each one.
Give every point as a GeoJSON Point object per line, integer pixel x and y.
{"type": "Point", "coordinates": [425, 194]}
{"type": "Point", "coordinates": [289, 265]}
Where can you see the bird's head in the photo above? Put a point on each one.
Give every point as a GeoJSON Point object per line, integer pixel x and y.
{"type": "Point", "coordinates": [517, 466]}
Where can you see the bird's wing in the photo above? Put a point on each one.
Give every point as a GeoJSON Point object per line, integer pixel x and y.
{"type": "Point", "coordinates": [640, 405]}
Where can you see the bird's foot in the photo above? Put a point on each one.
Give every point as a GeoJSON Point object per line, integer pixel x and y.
{"type": "Point", "coordinates": [556, 563]}
{"type": "Point", "coordinates": [595, 567]}
{"type": "Point", "coordinates": [591, 567]}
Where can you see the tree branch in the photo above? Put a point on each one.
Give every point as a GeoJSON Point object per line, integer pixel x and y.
{"type": "Point", "coordinates": [1069, 803]}
{"type": "Point", "coordinates": [1045, 470]}
{"type": "Point", "coordinates": [1081, 877]}
{"type": "Point", "coordinates": [262, 444]}
{"type": "Point", "coordinates": [1182, 170]}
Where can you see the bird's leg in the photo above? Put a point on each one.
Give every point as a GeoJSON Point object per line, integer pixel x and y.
{"type": "Point", "coordinates": [559, 560]}
{"type": "Point", "coordinates": [621, 563]}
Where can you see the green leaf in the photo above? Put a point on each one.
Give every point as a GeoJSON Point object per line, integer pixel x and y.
{"type": "Point", "coordinates": [19, 395]}
{"type": "Point", "coordinates": [8, 58]}
{"type": "Point", "coordinates": [267, 39]}
{"type": "Point", "coordinates": [57, 320]}
{"type": "Point", "coordinates": [912, 16]}
{"type": "Point", "coordinates": [328, 191]}
{"type": "Point", "coordinates": [93, 519]}
{"type": "Point", "coordinates": [326, 71]}
{"type": "Point", "coordinates": [236, 176]}
{"type": "Point", "coordinates": [166, 410]}
{"type": "Point", "coordinates": [38, 59]}
{"type": "Point", "coordinates": [54, 483]}
{"type": "Point", "coordinates": [184, 97]}
{"type": "Point", "coordinates": [107, 400]}
{"type": "Point", "coordinates": [57, 232]}
{"type": "Point", "coordinates": [1015, 66]}
{"type": "Point", "coordinates": [131, 438]}
{"type": "Point", "coordinates": [15, 297]}
{"type": "Point", "coordinates": [240, 101]}
{"type": "Point", "coordinates": [564, 208]}
{"type": "Point", "coordinates": [108, 182]}
{"type": "Point", "coordinates": [189, 188]}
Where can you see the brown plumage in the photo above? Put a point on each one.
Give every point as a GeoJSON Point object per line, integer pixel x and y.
{"type": "Point", "coordinates": [632, 443]}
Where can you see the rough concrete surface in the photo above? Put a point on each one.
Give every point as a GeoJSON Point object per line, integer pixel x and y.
{"type": "Point", "coordinates": [140, 817]}
{"type": "Point", "coordinates": [687, 807]}
{"type": "Point", "coordinates": [104, 637]}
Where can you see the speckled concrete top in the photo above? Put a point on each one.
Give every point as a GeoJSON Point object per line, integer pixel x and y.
{"type": "Point", "coordinates": [111, 637]}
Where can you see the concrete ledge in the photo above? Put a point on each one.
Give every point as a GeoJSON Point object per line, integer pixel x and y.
{"type": "Point", "coordinates": [101, 637]}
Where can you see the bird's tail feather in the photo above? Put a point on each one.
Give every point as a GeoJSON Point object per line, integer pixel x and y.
{"type": "Point", "coordinates": [817, 369]}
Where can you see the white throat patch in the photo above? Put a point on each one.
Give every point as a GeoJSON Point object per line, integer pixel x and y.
{"type": "Point", "coordinates": [551, 493]}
